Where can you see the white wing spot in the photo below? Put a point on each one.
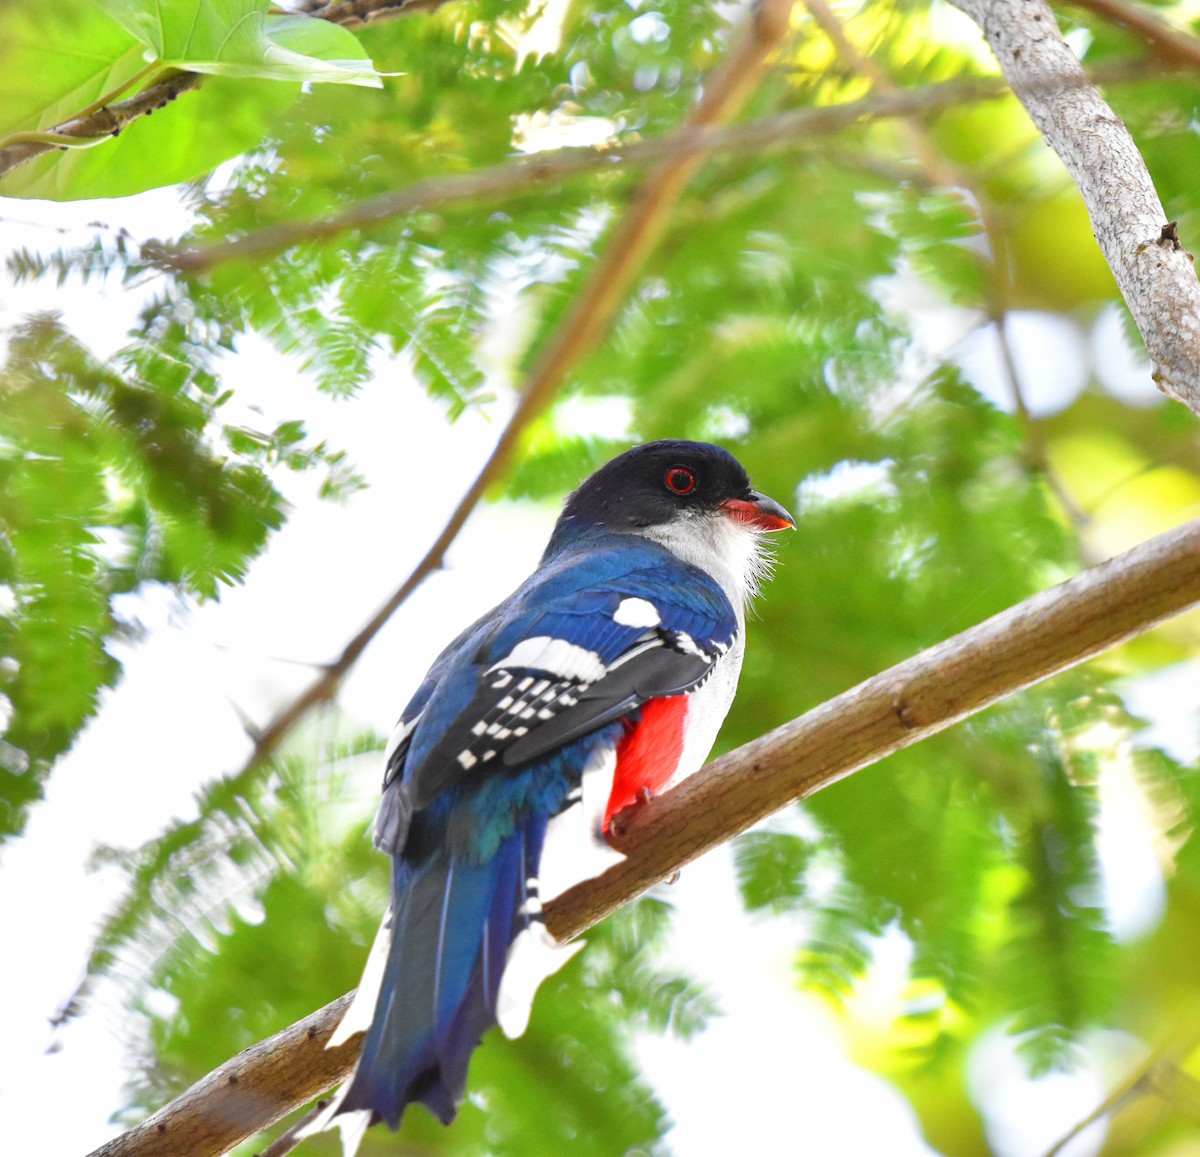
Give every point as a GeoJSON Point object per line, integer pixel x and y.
{"type": "Point", "coordinates": [636, 613]}
{"type": "Point", "coordinates": [479, 728]}
{"type": "Point", "coordinates": [467, 759]}
{"type": "Point", "coordinates": [684, 642]}
{"type": "Point", "coordinates": [554, 656]}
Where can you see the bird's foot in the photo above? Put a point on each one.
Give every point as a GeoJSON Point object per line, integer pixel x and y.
{"type": "Point", "coordinates": [618, 826]}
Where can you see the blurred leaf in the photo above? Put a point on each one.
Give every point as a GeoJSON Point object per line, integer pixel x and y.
{"type": "Point", "coordinates": [771, 868]}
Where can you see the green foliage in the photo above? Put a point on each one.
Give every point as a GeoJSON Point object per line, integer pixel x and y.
{"type": "Point", "coordinates": [106, 483]}
{"type": "Point", "coordinates": [797, 309]}
{"type": "Point", "coordinates": [771, 868]}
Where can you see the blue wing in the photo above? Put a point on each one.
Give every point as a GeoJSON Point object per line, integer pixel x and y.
{"type": "Point", "coordinates": [578, 646]}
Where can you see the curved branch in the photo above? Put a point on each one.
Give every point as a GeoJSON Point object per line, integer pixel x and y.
{"type": "Point", "coordinates": [1155, 276]}
{"type": "Point", "coordinates": [519, 177]}
{"type": "Point", "coordinates": [1043, 635]}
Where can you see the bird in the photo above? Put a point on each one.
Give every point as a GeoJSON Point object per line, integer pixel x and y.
{"type": "Point", "coordinates": [600, 681]}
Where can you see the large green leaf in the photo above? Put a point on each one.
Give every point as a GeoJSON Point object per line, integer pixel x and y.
{"type": "Point", "coordinates": [241, 38]}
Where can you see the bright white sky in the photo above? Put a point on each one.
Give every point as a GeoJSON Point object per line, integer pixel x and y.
{"type": "Point", "coordinates": [768, 1075]}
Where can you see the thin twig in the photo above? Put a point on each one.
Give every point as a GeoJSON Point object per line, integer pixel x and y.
{"type": "Point", "coordinates": [1144, 1079]}
{"type": "Point", "coordinates": [287, 1141]}
{"type": "Point", "coordinates": [1173, 45]}
{"type": "Point", "coordinates": [520, 177]}
{"type": "Point", "coordinates": [1045, 634]}
{"type": "Point", "coordinates": [104, 122]}
{"type": "Point", "coordinates": [940, 170]}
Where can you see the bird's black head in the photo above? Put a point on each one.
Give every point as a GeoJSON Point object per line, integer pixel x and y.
{"type": "Point", "coordinates": [659, 482]}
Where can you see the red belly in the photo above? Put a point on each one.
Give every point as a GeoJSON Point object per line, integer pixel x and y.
{"type": "Point", "coordinates": [648, 754]}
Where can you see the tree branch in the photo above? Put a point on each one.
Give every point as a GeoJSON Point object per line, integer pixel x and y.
{"type": "Point", "coordinates": [585, 323]}
{"type": "Point", "coordinates": [517, 178]}
{"type": "Point", "coordinates": [104, 122]}
{"type": "Point", "coordinates": [1043, 635]}
{"type": "Point", "coordinates": [1156, 277]}
{"type": "Point", "coordinates": [246, 1094]}
{"type": "Point", "coordinates": [1048, 633]}
{"type": "Point", "coordinates": [1173, 45]}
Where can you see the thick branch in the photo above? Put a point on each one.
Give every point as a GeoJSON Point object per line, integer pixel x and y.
{"type": "Point", "coordinates": [1043, 635]}
{"type": "Point", "coordinates": [1155, 275]}
{"type": "Point", "coordinates": [1037, 638]}
{"type": "Point", "coordinates": [246, 1094]}
{"type": "Point", "coordinates": [585, 323]}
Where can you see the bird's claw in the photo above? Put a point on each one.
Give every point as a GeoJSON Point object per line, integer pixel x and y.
{"type": "Point", "coordinates": [618, 825]}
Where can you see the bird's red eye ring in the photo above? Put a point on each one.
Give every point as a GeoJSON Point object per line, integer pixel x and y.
{"type": "Point", "coordinates": [680, 480]}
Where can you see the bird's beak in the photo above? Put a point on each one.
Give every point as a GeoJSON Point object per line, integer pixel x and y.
{"type": "Point", "coordinates": [759, 511]}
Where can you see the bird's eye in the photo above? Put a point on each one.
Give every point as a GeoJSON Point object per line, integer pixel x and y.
{"type": "Point", "coordinates": [680, 480]}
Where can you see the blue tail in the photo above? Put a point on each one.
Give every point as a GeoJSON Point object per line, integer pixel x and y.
{"type": "Point", "coordinates": [452, 924]}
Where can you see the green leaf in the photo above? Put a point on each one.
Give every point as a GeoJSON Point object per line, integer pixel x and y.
{"type": "Point", "coordinates": [239, 38]}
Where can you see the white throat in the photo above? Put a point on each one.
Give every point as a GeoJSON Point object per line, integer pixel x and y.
{"type": "Point", "coordinates": [732, 552]}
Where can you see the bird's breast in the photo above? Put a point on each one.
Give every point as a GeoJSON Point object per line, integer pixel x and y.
{"type": "Point", "coordinates": [673, 736]}
{"type": "Point", "coordinates": [648, 755]}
